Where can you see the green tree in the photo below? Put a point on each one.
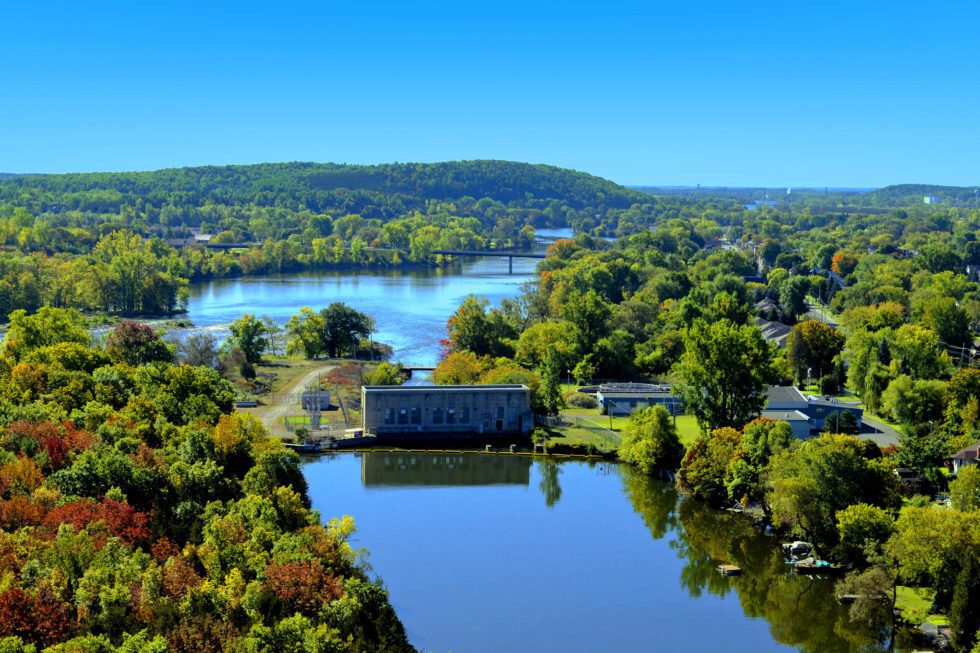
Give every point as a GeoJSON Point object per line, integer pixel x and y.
{"type": "Point", "coordinates": [919, 349]}
{"type": "Point", "coordinates": [532, 345]}
{"type": "Point", "coordinates": [651, 442]}
{"type": "Point", "coordinates": [704, 470]}
{"type": "Point", "coordinates": [811, 484]}
{"type": "Point", "coordinates": [248, 334]}
{"type": "Point", "coordinates": [948, 319]}
{"type": "Point", "coordinates": [813, 346]}
{"type": "Point", "coordinates": [305, 331]}
{"type": "Point", "coordinates": [964, 611]}
{"type": "Point", "coordinates": [275, 334]}
{"type": "Point", "coordinates": [48, 326]}
{"type": "Point", "coordinates": [863, 531]}
{"type": "Point", "coordinates": [384, 374]}
{"type": "Point", "coordinates": [551, 381]}
{"type": "Point", "coordinates": [726, 369]}
{"type": "Point", "coordinates": [915, 402]}
{"type": "Point", "coordinates": [589, 312]}
{"type": "Point", "coordinates": [792, 297]}
{"type": "Point", "coordinates": [964, 491]}
{"type": "Point", "coordinates": [137, 344]}
{"type": "Point", "coordinates": [473, 328]}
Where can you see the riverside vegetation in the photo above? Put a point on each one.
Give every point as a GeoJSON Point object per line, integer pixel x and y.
{"type": "Point", "coordinates": [138, 513]}
{"type": "Point", "coordinates": [675, 297]}
{"type": "Point", "coordinates": [680, 302]}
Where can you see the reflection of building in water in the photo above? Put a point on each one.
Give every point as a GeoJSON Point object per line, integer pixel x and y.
{"type": "Point", "coordinates": [445, 410]}
{"type": "Point", "coordinates": [412, 468]}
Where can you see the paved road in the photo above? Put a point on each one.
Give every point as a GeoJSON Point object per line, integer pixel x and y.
{"type": "Point", "coordinates": [815, 312]}
{"type": "Point", "coordinates": [882, 434]}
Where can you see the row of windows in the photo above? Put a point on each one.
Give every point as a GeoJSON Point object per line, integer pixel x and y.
{"type": "Point", "coordinates": [449, 416]}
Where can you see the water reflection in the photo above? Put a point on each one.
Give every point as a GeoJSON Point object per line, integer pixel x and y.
{"type": "Point", "coordinates": [443, 469]}
{"type": "Point", "coordinates": [550, 485]}
{"type": "Point", "coordinates": [802, 612]}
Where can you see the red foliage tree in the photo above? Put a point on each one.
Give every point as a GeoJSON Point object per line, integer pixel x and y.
{"type": "Point", "coordinates": [302, 586]}
{"type": "Point", "coordinates": [120, 518]}
{"type": "Point", "coordinates": [40, 619]}
{"type": "Point", "coordinates": [18, 512]}
{"type": "Point", "coordinates": [178, 577]}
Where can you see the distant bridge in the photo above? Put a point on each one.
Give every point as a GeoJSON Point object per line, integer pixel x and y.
{"type": "Point", "coordinates": [509, 255]}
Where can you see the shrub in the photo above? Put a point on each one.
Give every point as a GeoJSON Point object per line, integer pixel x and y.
{"type": "Point", "coordinates": [581, 400]}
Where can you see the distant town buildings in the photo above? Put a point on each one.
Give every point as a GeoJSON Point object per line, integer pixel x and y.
{"type": "Point", "coordinates": [930, 199]}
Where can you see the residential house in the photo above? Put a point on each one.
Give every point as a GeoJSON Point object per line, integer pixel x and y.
{"type": "Point", "coordinates": [965, 457]}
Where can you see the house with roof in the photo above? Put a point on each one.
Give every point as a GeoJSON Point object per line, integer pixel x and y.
{"type": "Point", "coordinates": [965, 457]}
{"type": "Point", "coordinates": [774, 331]}
{"type": "Point", "coordinates": [816, 408]}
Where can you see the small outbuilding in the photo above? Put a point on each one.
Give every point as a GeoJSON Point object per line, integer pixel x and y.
{"type": "Point", "coordinates": [316, 400]}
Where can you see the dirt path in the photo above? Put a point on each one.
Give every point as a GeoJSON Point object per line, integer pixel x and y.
{"type": "Point", "coordinates": [272, 414]}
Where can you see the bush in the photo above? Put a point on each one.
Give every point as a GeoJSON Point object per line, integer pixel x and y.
{"type": "Point", "coordinates": [581, 400]}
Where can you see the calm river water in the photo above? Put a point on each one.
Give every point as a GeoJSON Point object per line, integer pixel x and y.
{"type": "Point", "coordinates": [410, 308]}
{"type": "Point", "coordinates": [499, 553]}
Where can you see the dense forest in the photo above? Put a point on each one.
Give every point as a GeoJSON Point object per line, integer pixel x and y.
{"type": "Point", "coordinates": [878, 309]}
{"type": "Point", "coordinates": [78, 240]}
{"type": "Point", "coordinates": [138, 512]}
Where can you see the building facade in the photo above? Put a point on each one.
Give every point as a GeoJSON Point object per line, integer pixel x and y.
{"type": "Point", "coordinates": [624, 398]}
{"type": "Point", "coordinates": [446, 410]}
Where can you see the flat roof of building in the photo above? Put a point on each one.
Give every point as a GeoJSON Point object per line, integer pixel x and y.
{"type": "Point", "coordinates": [634, 387]}
{"type": "Point", "coordinates": [785, 415]}
{"type": "Point", "coordinates": [498, 387]}
{"type": "Point", "coordinates": [635, 395]}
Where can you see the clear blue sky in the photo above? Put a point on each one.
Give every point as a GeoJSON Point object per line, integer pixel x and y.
{"type": "Point", "coordinates": [743, 92]}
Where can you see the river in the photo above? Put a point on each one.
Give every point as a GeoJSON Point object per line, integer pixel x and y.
{"type": "Point", "coordinates": [492, 553]}
{"type": "Point", "coordinates": [410, 308]}
{"type": "Point", "coordinates": [502, 553]}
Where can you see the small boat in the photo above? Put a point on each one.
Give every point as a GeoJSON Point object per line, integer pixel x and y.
{"type": "Point", "coordinates": [729, 570]}
{"type": "Point", "coordinates": [817, 568]}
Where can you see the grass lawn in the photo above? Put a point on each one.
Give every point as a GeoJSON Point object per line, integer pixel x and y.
{"type": "Point", "coordinates": [687, 426]}
{"type": "Point", "coordinates": [687, 429]}
{"type": "Point", "coordinates": [582, 437]}
{"type": "Point", "coordinates": [914, 604]}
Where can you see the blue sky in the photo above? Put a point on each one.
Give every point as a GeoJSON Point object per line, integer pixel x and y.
{"type": "Point", "coordinates": [838, 93]}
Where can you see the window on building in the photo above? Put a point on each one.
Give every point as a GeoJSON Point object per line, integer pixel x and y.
{"type": "Point", "coordinates": [403, 416]}
{"type": "Point", "coordinates": [389, 416]}
{"type": "Point", "coordinates": [437, 415]}
{"type": "Point", "coordinates": [416, 416]}
{"type": "Point", "coordinates": [450, 416]}
{"type": "Point", "coordinates": [464, 415]}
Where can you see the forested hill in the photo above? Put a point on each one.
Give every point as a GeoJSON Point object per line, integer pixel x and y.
{"type": "Point", "coordinates": [319, 186]}
{"type": "Point", "coordinates": [903, 194]}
